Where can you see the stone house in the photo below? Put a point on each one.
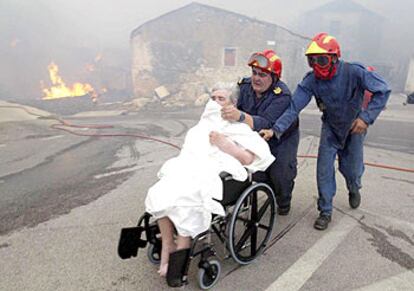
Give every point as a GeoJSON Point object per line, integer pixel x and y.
{"type": "Point", "coordinates": [184, 52]}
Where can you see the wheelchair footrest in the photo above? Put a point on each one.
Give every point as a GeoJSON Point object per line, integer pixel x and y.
{"type": "Point", "coordinates": [177, 266]}
{"type": "Point", "coordinates": [129, 242]}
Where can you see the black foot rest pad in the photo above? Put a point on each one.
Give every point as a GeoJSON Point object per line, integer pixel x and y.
{"type": "Point", "coordinates": [129, 242]}
{"type": "Point", "coordinates": [176, 267]}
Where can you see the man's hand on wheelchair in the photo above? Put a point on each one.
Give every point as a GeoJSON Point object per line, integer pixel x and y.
{"type": "Point", "coordinates": [267, 134]}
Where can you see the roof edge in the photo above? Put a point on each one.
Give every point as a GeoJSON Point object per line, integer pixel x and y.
{"type": "Point", "coordinates": [134, 32]}
{"type": "Point", "coordinates": [351, 2]}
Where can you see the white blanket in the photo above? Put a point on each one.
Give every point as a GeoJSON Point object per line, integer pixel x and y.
{"type": "Point", "coordinates": [189, 182]}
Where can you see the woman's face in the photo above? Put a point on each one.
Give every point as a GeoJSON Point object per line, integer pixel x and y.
{"type": "Point", "coordinates": [221, 97]}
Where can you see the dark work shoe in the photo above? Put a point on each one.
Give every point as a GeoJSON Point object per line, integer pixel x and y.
{"type": "Point", "coordinates": [321, 223]}
{"type": "Point", "coordinates": [354, 200]}
{"type": "Point", "coordinates": [283, 210]}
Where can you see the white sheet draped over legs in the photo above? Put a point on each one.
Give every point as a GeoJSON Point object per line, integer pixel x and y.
{"type": "Point", "coordinates": [189, 182]}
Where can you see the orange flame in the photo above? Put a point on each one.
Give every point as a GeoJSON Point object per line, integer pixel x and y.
{"type": "Point", "coordinates": [60, 90]}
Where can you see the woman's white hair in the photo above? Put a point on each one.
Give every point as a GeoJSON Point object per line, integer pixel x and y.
{"type": "Point", "coordinates": [231, 87]}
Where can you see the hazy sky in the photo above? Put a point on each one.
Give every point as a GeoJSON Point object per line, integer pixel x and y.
{"type": "Point", "coordinates": [109, 22]}
{"type": "Point", "coordinates": [73, 32]}
{"type": "Point", "coordinates": [112, 20]}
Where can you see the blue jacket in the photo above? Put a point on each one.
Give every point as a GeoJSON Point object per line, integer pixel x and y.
{"type": "Point", "coordinates": [266, 109]}
{"type": "Point", "coordinates": [341, 99]}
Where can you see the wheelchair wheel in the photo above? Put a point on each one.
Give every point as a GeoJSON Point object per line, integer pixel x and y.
{"type": "Point", "coordinates": [251, 223]}
{"type": "Point", "coordinates": [154, 254]}
{"type": "Point", "coordinates": [209, 275]}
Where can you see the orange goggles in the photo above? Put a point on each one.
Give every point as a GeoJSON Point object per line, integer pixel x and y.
{"type": "Point", "coordinates": [320, 60]}
{"type": "Point", "coordinates": [259, 60]}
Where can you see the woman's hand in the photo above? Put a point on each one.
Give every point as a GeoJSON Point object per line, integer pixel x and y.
{"type": "Point", "coordinates": [267, 134]}
{"type": "Point", "coordinates": [225, 144]}
{"type": "Point", "coordinates": [218, 139]}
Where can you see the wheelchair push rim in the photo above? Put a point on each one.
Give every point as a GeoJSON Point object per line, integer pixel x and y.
{"type": "Point", "coordinates": [251, 223]}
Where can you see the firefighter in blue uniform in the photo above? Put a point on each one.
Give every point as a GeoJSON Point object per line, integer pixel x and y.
{"type": "Point", "coordinates": [339, 89]}
{"type": "Point", "coordinates": [263, 98]}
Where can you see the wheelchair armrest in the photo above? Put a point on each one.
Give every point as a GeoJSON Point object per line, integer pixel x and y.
{"type": "Point", "coordinates": [225, 176]}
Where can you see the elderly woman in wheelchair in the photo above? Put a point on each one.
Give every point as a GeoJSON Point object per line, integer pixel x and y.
{"type": "Point", "coordinates": [207, 188]}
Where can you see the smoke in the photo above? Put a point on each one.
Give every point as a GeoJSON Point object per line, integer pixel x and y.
{"type": "Point", "coordinates": [72, 33]}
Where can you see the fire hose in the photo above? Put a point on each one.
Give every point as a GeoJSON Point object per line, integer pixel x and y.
{"type": "Point", "coordinates": [375, 165]}
{"type": "Point", "coordinates": [63, 124]}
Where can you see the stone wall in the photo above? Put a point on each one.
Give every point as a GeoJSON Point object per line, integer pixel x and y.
{"type": "Point", "coordinates": [184, 51]}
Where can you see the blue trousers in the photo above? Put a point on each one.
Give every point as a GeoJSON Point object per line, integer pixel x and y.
{"type": "Point", "coordinates": [282, 172]}
{"type": "Point", "coordinates": [351, 166]}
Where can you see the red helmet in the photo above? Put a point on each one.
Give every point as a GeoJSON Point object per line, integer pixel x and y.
{"type": "Point", "coordinates": [370, 68]}
{"type": "Point", "coordinates": [323, 43]}
{"type": "Point", "coordinates": [267, 61]}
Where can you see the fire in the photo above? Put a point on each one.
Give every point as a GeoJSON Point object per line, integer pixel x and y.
{"type": "Point", "coordinates": [91, 67]}
{"type": "Point", "coordinates": [60, 90]}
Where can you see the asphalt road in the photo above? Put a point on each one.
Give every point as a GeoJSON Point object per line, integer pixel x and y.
{"type": "Point", "coordinates": [45, 173]}
{"type": "Point", "coordinates": [384, 134]}
{"type": "Point", "coordinates": [64, 180]}
{"type": "Point", "coordinates": [64, 177]}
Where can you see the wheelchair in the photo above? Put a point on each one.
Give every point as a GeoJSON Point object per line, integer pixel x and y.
{"type": "Point", "coordinates": [245, 229]}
